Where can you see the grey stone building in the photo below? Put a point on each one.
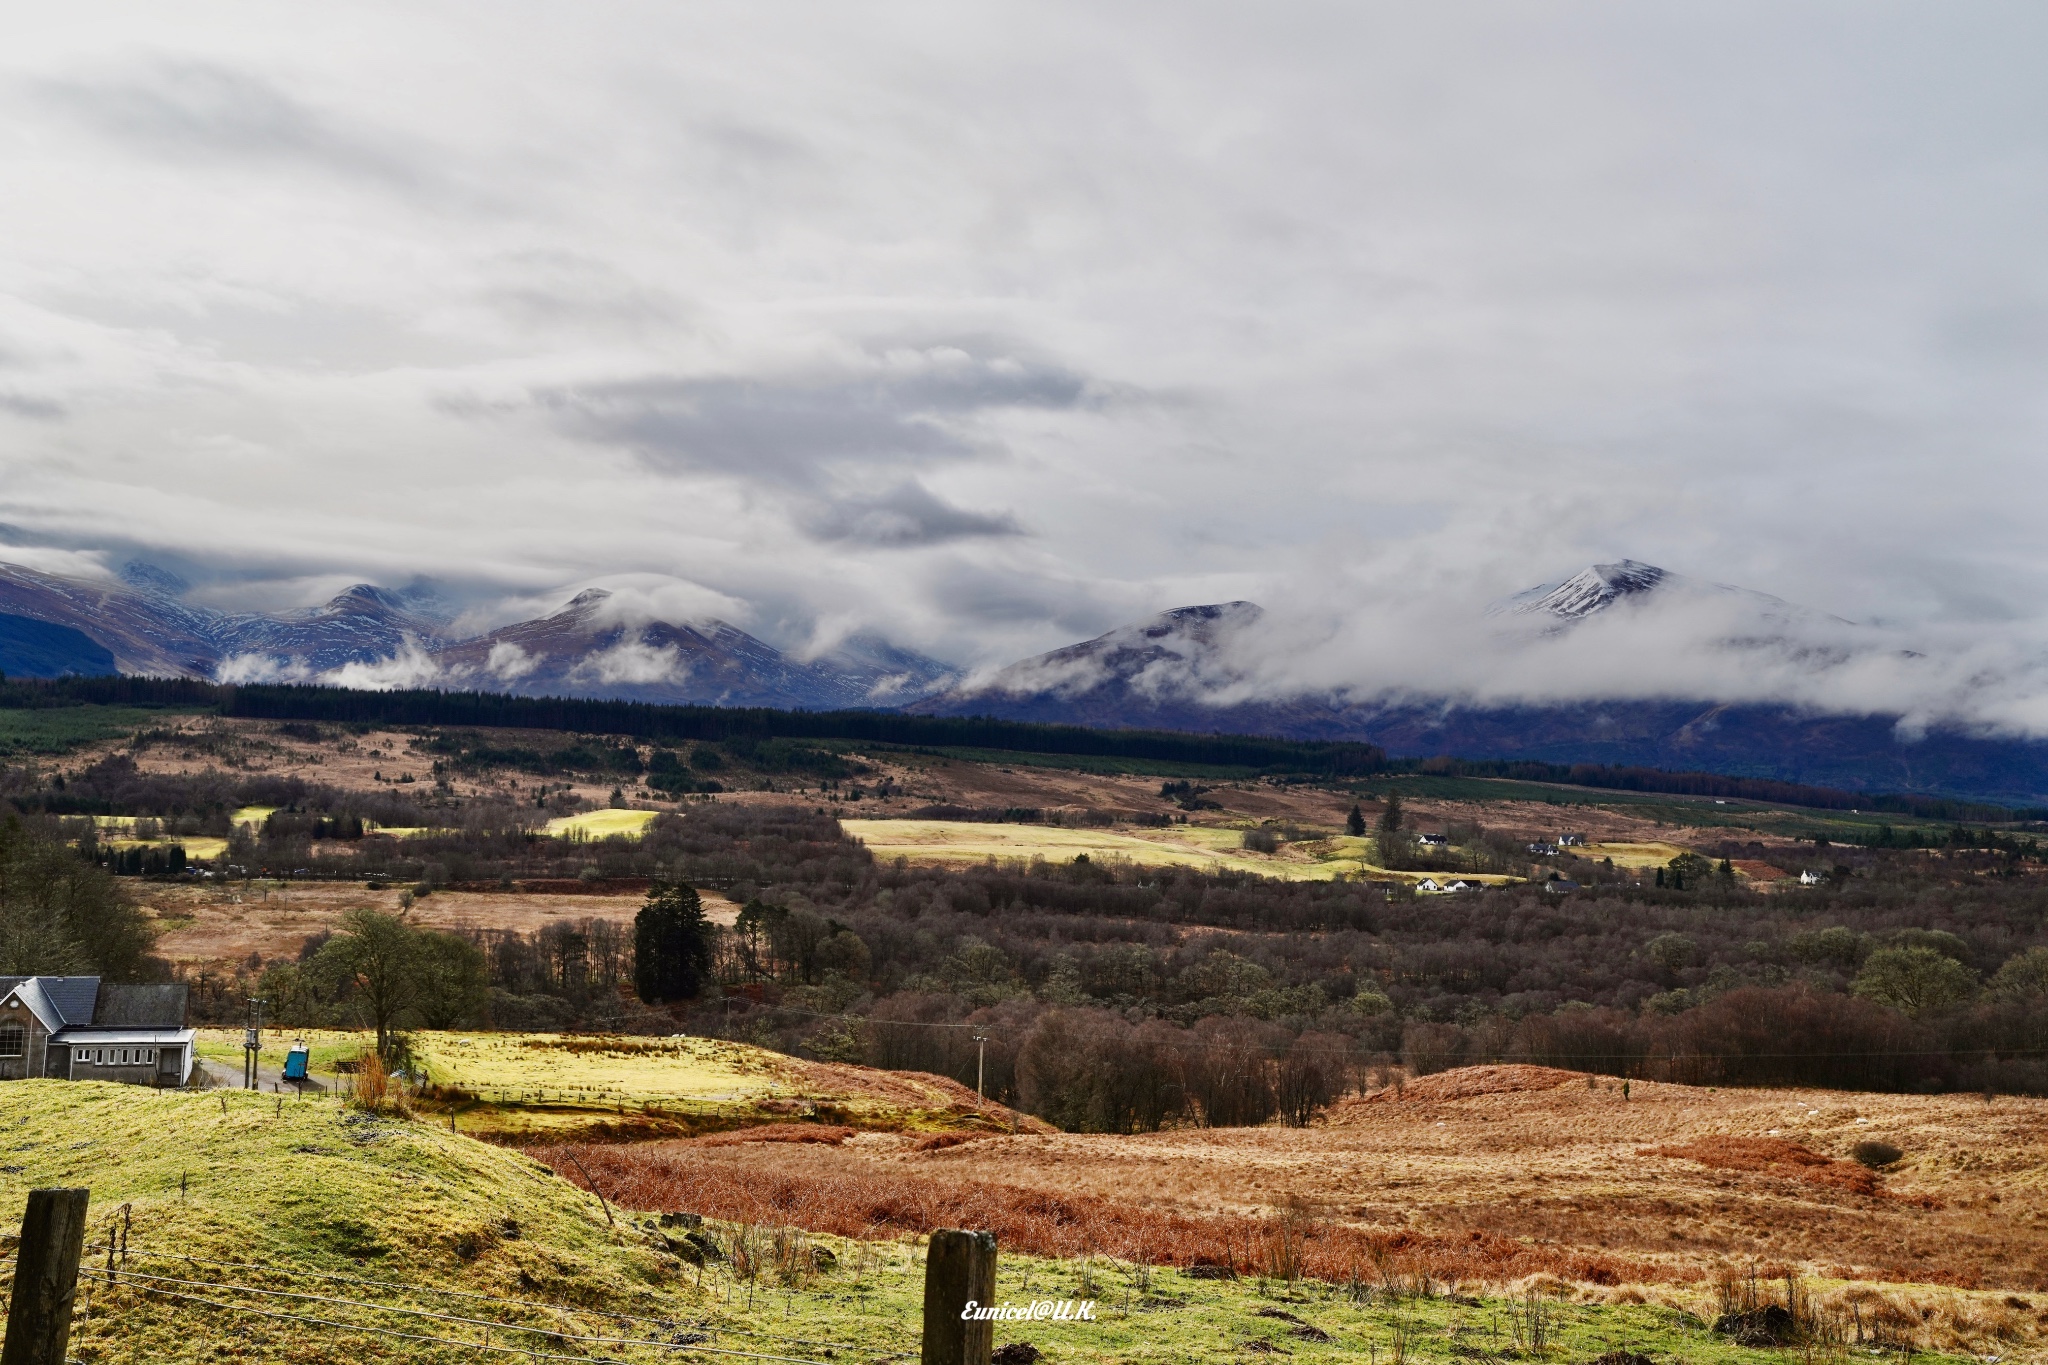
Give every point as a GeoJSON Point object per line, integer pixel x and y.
{"type": "Point", "coordinates": [79, 1028]}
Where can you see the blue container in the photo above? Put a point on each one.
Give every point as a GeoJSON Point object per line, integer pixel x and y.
{"type": "Point", "coordinates": [295, 1063]}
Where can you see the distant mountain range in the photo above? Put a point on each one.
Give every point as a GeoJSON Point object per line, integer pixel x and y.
{"type": "Point", "coordinates": [1190, 669]}
{"type": "Point", "coordinates": [370, 637]}
{"type": "Point", "coordinates": [1196, 668]}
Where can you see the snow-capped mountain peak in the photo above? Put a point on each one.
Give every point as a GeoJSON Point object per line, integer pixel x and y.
{"type": "Point", "coordinates": [1591, 589]}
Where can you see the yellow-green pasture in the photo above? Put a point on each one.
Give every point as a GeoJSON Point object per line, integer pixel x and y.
{"type": "Point", "coordinates": [198, 848]}
{"type": "Point", "coordinates": [558, 1085]}
{"type": "Point", "coordinates": [602, 824]}
{"type": "Point", "coordinates": [1208, 848]}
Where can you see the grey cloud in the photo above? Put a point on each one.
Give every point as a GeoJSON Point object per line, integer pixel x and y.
{"type": "Point", "coordinates": [27, 405]}
{"type": "Point", "coordinates": [779, 428]}
{"type": "Point", "coordinates": [206, 111]}
{"type": "Point", "coordinates": [1442, 292]}
{"type": "Point", "coordinates": [907, 515]}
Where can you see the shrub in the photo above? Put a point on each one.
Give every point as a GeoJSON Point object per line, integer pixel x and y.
{"type": "Point", "coordinates": [371, 1090]}
{"type": "Point", "coordinates": [1875, 1154]}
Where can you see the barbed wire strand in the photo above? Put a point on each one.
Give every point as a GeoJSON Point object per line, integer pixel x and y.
{"type": "Point", "coordinates": [404, 1287]}
{"type": "Point", "coordinates": [447, 1341]}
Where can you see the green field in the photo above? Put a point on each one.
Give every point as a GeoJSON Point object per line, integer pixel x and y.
{"type": "Point", "coordinates": [60, 729]}
{"type": "Point", "coordinates": [273, 1228]}
{"type": "Point", "coordinates": [1207, 848]}
{"type": "Point", "coordinates": [560, 1086]}
{"type": "Point", "coordinates": [602, 824]}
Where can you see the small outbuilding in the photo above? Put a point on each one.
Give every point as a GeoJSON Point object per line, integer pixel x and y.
{"type": "Point", "coordinates": [80, 1028]}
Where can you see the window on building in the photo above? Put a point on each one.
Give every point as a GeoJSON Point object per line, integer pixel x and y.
{"type": "Point", "coordinates": [13, 1040]}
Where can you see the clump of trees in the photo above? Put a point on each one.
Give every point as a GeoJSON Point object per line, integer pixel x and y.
{"type": "Point", "coordinates": [379, 971]}
{"type": "Point", "coordinates": [670, 947]}
{"type": "Point", "coordinates": [64, 915]}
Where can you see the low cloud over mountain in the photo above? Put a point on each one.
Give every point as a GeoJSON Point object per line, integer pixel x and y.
{"type": "Point", "coordinates": [600, 644]}
{"type": "Point", "coordinates": [1620, 662]}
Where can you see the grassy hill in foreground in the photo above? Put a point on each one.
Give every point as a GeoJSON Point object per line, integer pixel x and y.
{"type": "Point", "coordinates": [229, 1198]}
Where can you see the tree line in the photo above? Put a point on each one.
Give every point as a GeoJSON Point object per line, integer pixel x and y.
{"type": "Point", "coordinates": [675, 723]}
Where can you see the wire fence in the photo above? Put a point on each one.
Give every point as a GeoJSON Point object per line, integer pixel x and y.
{"type": "Point", "coordinates": [425, 1315]}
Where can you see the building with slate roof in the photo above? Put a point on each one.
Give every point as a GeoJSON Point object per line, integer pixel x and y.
{"type": "Point", "coordinates": [78, 1028]}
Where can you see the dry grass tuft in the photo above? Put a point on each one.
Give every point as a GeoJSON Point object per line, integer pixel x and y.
{"type": "Point", "coordinates": [371, 1089]}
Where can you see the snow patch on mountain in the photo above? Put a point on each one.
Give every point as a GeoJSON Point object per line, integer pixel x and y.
{"type": "Point", "coordinates": [1587, 591]}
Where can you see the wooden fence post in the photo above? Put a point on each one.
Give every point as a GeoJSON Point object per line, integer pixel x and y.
{"type": "Point", "coordinates": [45, 1278]}
{"type": "Point", "coordinates": [959, 1268]}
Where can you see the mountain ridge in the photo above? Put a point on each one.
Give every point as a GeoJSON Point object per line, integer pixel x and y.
{"type": "Point", "coordinates": [1197, 669]}
{"type": "Point", "coordinates": [371, 636]}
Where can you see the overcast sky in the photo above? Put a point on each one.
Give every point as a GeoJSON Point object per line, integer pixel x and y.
{"type": "Point", "coordinates": [989, 328]}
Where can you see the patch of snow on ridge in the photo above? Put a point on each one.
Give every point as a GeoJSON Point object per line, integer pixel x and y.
{"type": "Point", "coordinates": [1589, 590]}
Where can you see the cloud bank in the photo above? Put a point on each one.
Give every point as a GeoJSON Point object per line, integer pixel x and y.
{"type": "Point", "coordinates": [984, 331]}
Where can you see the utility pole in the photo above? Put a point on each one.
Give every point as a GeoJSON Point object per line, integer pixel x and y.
{"type": "Point", "coordinates": [252, 1042]}
{"type": "Point", "coordinates": [980, 1058]}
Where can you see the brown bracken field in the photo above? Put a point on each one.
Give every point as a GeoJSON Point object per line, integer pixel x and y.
{"type": "Point", "coordinates": [1482, 1174]}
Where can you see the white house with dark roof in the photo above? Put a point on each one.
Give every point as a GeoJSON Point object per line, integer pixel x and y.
{"type": "Point", "coordinates": [78, 1028]}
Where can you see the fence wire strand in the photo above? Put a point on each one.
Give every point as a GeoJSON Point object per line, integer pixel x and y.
{"type": "Point", "coordinates": [403, 1287]}
{"type": "Point", "coordinates": [529, 1352]}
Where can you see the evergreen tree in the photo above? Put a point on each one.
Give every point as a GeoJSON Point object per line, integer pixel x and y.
{"type": "Point", "coordinates": [671, 945]}
{"type": "Point", "coordinates": [1354, 823]}
{"type": "Point", "coordinates": [1390, 818]}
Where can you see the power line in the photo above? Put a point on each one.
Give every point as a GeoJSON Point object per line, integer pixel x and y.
{"type": "Point", "coordinates": [1517, 1057]}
